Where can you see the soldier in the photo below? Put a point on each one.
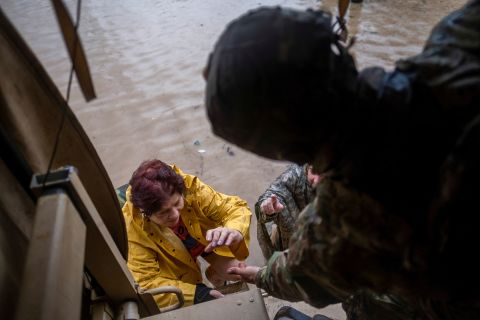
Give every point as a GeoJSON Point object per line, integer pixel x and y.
{"type": "Point", "coordinates": [278, 207]}
{"type": "Point", "coordinates": [393, 230]}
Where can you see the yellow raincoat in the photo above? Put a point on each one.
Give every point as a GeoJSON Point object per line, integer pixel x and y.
{"type": "Point", "coordinates": [157, 257]}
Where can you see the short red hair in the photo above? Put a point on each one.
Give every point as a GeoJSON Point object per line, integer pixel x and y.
{"type": "Point", "coordinates": [154, 183]}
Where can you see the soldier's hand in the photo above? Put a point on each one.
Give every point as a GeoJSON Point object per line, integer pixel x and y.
{"type": "Point", "coordinates": [222, 236]}
{"type": "Point", "coordinates": [271, 205]}
{"type": "Point", "coordinates": [248, 273]}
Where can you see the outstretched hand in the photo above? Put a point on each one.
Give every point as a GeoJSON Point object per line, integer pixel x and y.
{"type": "Point", "coordinates": [247, 273]}
{"type": "Point", "coordinates": [222, 236]}
{"type": "Point", "coordinates": [271, 205]}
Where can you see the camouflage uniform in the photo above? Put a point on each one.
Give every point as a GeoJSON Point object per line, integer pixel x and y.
{"type": "Point", "coordinates": [294, 192]}
{"type": "Point", "coordinates": [394, 228]}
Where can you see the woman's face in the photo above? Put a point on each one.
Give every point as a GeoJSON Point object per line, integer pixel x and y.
{"type": "Point", "coordinates": [169, 215]}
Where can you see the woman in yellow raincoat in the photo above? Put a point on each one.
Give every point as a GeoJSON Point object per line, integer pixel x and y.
{"type": "Point", "coordinates": [171, 219]}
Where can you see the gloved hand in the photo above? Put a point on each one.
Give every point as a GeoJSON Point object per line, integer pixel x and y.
{"type": "Point", "coordinates": [204, 293]}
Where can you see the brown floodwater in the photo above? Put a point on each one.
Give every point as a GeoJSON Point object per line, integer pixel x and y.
{"type": "Point", "coordinates": [146, 59]}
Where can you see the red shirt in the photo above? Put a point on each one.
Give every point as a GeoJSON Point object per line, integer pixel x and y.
{"type": "Point", "coordinates": [193, 246]}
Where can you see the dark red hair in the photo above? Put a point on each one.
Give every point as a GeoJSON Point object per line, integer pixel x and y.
{"type": "Point", "coordinates": [153, 183]}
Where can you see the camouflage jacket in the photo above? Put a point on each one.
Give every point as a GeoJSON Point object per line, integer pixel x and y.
{"type": "Point", "coordinates": [294, 193]}
{"type": "Point", "coordinates": [394, 229]}
{"type": "Point", "coordinates": [305, 271]}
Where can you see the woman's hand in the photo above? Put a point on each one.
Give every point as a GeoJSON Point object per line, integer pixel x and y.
{"type": "Point", "coordinates": [247, 273]}
{"type": "Point", "coordinates": [216, 294]}
{"type": "Point", "coordinates": [222, 236]}
{"type": "Point", "coordinates": [204, 293]}
{"type": "Point", "coordinates": [271, 205]}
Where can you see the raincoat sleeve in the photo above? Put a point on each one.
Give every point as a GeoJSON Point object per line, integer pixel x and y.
{"type": "Point", "coordinates": [227, 211]}
{"type": "Point", "coordinates": [144, 265]}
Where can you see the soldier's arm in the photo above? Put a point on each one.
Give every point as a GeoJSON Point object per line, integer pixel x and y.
{"type": "Point", "coordinates": [293, 274]}
{"type": "Point", "coordinates": [276, 279]}
{"type": "Point", "coordinates": [283, 188]}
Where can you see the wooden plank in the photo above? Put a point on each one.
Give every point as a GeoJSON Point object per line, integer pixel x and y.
{"type": "Point", "coordinates": [102, 257]}
{"type": "Point", "coordinates": [52, 281]}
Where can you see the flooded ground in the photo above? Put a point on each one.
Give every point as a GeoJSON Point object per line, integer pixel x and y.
{"type": "Point", "coordinates": [146, 59]}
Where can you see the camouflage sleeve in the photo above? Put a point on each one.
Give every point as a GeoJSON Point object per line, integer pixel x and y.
{"type": "Point", "coordinates": [450, 62]}
{"type": "Point", "coordinates": [287, 187]}
{"type": "Point", "coordinates": [342, 242]}
{"type": "Point", "coordinates": [293, 274]}
{"type": "Point", "coordinates": [276, 279]}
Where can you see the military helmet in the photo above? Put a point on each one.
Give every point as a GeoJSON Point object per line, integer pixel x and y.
{"type": "Point", "coordinates": [272, 77]}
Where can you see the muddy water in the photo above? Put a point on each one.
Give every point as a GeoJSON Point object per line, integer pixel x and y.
{"type": "Point", "coordinates": [146, 59]}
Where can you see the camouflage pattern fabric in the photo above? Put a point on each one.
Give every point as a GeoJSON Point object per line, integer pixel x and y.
{"type": "Point", "coordinates": [294, 192]}
{"type": "Point", "coordinates": [305, 271]}
{"type": "Point", "coordinates": [393, 231]}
